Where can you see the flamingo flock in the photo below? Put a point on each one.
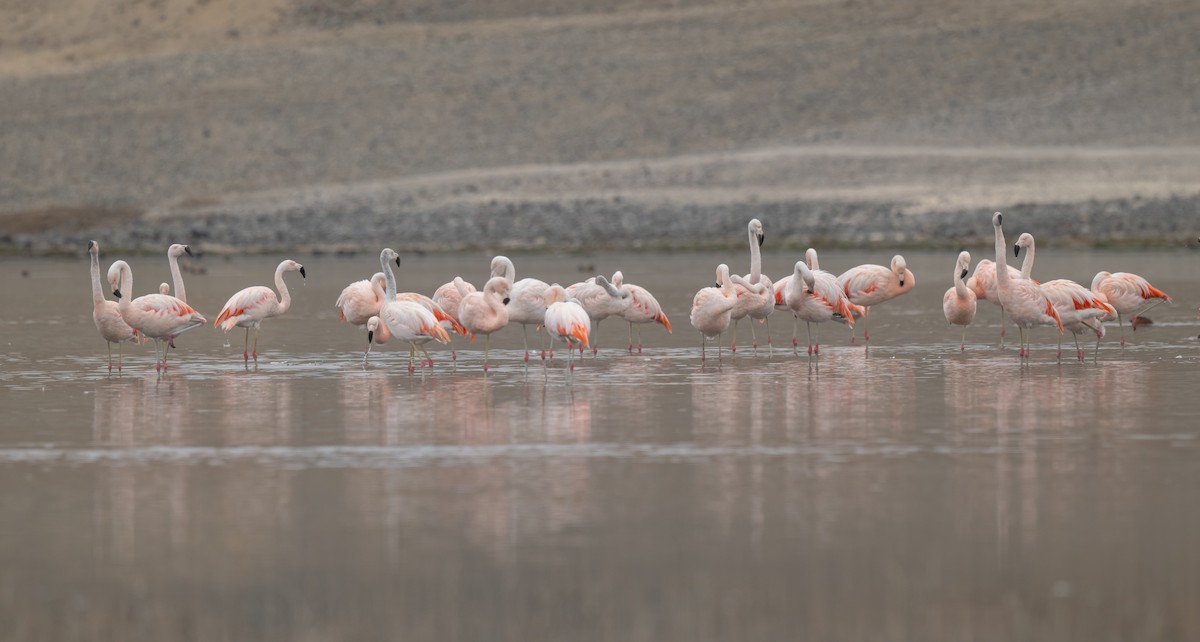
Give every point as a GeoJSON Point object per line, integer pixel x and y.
{"type": "Point", "coordinates": [572, 314]}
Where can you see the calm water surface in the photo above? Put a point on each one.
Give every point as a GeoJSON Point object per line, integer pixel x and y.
{"type": "Point", "coordinates": [908, 493]}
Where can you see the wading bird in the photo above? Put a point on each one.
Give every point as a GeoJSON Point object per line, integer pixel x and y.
{"type": "Point", "coordinates": [248, 308]}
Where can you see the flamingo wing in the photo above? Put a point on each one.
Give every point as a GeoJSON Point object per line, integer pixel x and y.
{"type": "Point", "coordinates": [252, 303]}
{"type": "Point", "coordinates": [358, 302]}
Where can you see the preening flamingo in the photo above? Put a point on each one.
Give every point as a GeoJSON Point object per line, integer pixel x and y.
{"type": "Point", "coordinates": [601, 299]}
{"type": "Point", "coordinates": [448, 296]}
{"type": "Point", "coordinates": [958, 304]}
{"type": "Point", "coordinates": [755, 292]}
{"type": "Point", "coordinates": [1128, 294]}
{"type": "Point", "coordinates": [815, 297]}
{"type": "Point", "coordinates": [869, 285]}
{"type": "Point", "coordinates": [526, 304]}
{"type": "Point", "coordinates": [1023, 299]}
{"type": "Point", "coordinates": [173, 253]}
{"type": "Point", "coordinates": [406, 319]}
{"type": "Point", "coordinates": [361, 300]}
{"type": "Point", "coordinates": [107, 314]}
{"type": "Point", "coordinates": [711, 309]}
{"type": "Point", "coordinates": [642, 308]}
{"type": "Point", "coordinates": [486, 312]}
{"type": "Point", "coordinates": [157, 316]}
{"type": "Point", "coordinates": [567, 320]}
{"type": "Point", "coordinates": [249, 307]}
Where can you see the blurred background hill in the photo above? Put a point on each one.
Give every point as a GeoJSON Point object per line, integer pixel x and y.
{"type": "Point", "coordinates": [225, 120]}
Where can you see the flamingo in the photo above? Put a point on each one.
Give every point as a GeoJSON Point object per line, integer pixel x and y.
{"type": "Point", "coordinates": [486, 312]}
{"type": "Point", "coordinates": [107, 314]}
{"type": "Point", "coordinates": [815, 297]}
{"type": "Point", "coordinates": [983, 283]}
{"type": "Point", "coordinates": [601, 299]}
{"type": "Point", "coordinates": [958, 304]}
{"type": "Point", "coordinates": [164, 288]}
{"type": "Point", "coordinates": [248, 308]}
{"type": "Point", "coordinates": [712, 308]}
{"type": "Point", "coordinates": [157, 316]}
{"type": "Point", "coordinates": [1127, 293]}
{"type": "Point", "coordinates": [525, 300]}
{"type": "Point", "coordinates": [754, 291]}
{"type": "Point", "coordinates": [1080, 309]}
{"type": "Point", "coordinates": [448, 296]}
{"type": "Point", "coordinates": [405, 318]}
{"type": "Point", "coordinates": [567, 320]}
{"type": "Point", "coordinates": [1024, 300]}
{"type": "Point", "coordinates": [869, 285]}
{"type": "Point", "coordinates": [173, 253]}
{"type": "Point", "coordinates": [642, 308]}
{"type": "Point", "coordinates": [361, 300]}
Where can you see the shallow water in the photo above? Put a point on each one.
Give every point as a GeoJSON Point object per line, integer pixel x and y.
{"type": "Point", "coordinates": [906, 493]}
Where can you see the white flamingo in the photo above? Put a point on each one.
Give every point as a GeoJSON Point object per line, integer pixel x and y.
{"type": "Point", "coordinates": [566, 320]}
{"type": "Point", "coordinates": [755, 292]}
{"type": "Point", "coordinates": [249, 307]}
{"type": "Point", "coordinates": [157, 316]}
{"type": "Point", "coordinates": [405, 318]}
{"type": "Point", "coordinates": [526, 304]}
{"type": "Point", "coordinates": [959, 302]}
{"type": "Point", "coordinates": [107, 314]}
{"type": "Point", "coordinates": [1024, 300]}
{"type": "Point", "coordinates": [712, 308]}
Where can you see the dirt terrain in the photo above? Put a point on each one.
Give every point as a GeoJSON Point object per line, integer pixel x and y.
{"type": "Point", "coordinates": [303, 122]}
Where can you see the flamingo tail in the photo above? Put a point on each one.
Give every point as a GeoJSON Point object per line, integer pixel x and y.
{"type": "Point", "coordinates": [1054, 315]}
{"type": "Point", "coordinates": [580, 334]}
{"type": "Point", "coordinates": [661, 317]}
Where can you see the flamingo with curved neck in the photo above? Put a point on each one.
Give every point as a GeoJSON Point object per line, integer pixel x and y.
{"type": "Point", "coordinates": [249, 307]}
{"type": "Point", "coordinates": [107, 314]}
{"type": "Point", "coordinates": [959, 302]}
{"type": "Point", "coordinates": [158, 316]}
{"type": "Point", "coordinates": [173, 253]}
{"type": "Point", "coordinates": [755, 292]}
{"type": "Point", "coordinates": [1024, 300]}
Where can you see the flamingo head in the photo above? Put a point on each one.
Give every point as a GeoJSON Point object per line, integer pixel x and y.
{"type": "Point", "coordinates": [964, 263]}
{"type": "Point", "coordinates": [805, 275]}
{"type": "Point", "coordinates": [388, 254]}
{"type": "Point", "coordinates": [997, 219]}
{"type": "Point", "coordinates": [177, 250]}
{"type": "Point", "coordinates": [372, 326]}
{"type": "Point", "coordinates": [612, 290]}
{"type": "Point", "coordinates": [499, 286]}
{"type": "Point", "coordinates": [164, 288]}
{"type": "Point", "coordinates": [292, 266]}
{"type": "Point", "coordinates": [722, 276]}
{"type": "Point", "coordinates": [502, 266]}
{"type": "Point", "coordinates": [618, 278]}
{"type": "Point", "coordinates": [114, 276]}
{"type": "Point", "coordinates": [899, 267]}
{"type": "Point", "coordinates": [1025, 240]}
{"type": "Point", "coordinates": [756, 229]}
{"type": "Point", "coordinates": [554, 294]}
{"type": "Point", "coordinates": [94, 247]}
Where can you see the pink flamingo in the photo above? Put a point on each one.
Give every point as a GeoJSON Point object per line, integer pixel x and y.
{"type": "Point", "coordinates": [983, 283]}
{"type": "Point", "coordinates": [526, 304]}
{"type": "Point", "coordinates": [1079, 309]}
{"type": "Point", "coordinates": [1128, 294]}
{"type": "Point", "coordinates": [755, 291]}
{"type": "Point", "coordinates": [1026, 304]}
{"type": "Point", "coordinates": [958, 304]}
{"type": "Point", "coordinates": [712, 308]}
{"type": "Point", "coordinates": [107, 314]}
{"type": "Point", "coordinates": [642, 308]}
{"type": "Point", "coordinates": [485, 312]}
{"type": "Point", "coordinates": [173, 253]}
{"type": "Point", "coordinates": [815, 297]}
{"type": "Point", "coordinates": [601, 300]}
{"type": "Point", "coordinates": [157, 316]}
{"type": "Point", "coordinates": [869, 285]}
{"type": "Point", "coordinates": [361, 300]}
{"type": "Point", "coordinates": [249, 307]}
{"type": "Point", "coordinates": [567, 320]}
{"type": "Point", "coordinates": [448, 296]}
{"type": "Point", "coordinates": [404, 317]}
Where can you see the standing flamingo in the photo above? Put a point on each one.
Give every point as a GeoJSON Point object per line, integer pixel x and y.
{"type": "Point", "coordinates": [815, 297]}
{"type": "Point", "coordinates": [983, 284]}
{"type": "Point", "coordinates": [173, 253]}
{"type": "Point", "coordinates": [711, 309]}
{"type": "Point", "coordinates": [1023, 299]}
{"type": "Point", "coordinates": [756, 295]}
{"type": "Point", "coordinates": [642, 308]}
{"type": "Point", "coordinates": [486, 312]}
{"type": "Point", "coordinates": [1128, 294]}
{"type": "Point", "coordinates": [1079, 309]}
{"type": "Point", "coordinates": [567, 320]}
{"type": "Point", "coordinates": [157, 316]}
{"type": "Point", "coordinates": [405, 318]}
{"type": "Point", "coordinates": [958, 304]}
{"type": "Point", "coordinates": [448, 296]}
{"type": "Point", "coordinates": [248, 308]}
{"type": "Point", "coordinates": [526, 305]}
{"type": "Point", "coordinates": [107, 314]}
{"type": "Point", "coordinates": [361, 300]}
{"type": "Point", "coordinates": [601, 299]}
{"type": "Point", "coordinates": [869, 285]}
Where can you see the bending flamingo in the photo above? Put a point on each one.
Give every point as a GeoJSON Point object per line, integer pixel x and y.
{"type": "Point", "coordinates": [567, 320]}
{"type": "Point", "coordinates": [815, 297]}
{"type": "Point", "coordinates": [1128, 294]}
{"type": "Point", "coordinates": [157, 316]}
{"type": "Point", "coordinates": [958, 304]}
{"type": "Point", "coordinates": [361, 300]}
{"type": "Point", "coordinates": [526, 304]}
{"type": "Point", "coordinates": [642, 308]}
{"type": "Point", "coordinates": [248, 308]}
{"type": "Point", "coordinates": [601, 300]}
{"type": "Point", "coordinates": [107, 314]}
{"type": "Point", "coordinates": [448, 296]}
{"type": "Point", "coordinates": [755, 293]}
{"type": "Point", "coordinates": [869, 285]}
{"type": "Point", "coordinates": [1023, 299]}
{"type": "Point", "coordinates": [406, 318]}
{"type": "Point", "coordinates": [711, 310]}
{"type": "Point", "coordinates": [486, 312]}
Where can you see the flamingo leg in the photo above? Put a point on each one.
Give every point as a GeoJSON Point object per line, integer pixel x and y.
{"type": "Point", "coordinates": [246, 346]}
{"type": "Point", "coordinates": [795, 324]}
{"type": "Point", "coordinates": [120, 356]}
{"type": "Point", "coordinates": [1078, 350]}
{"type": "Point", "coordinates": [867, 324]}
{"type": "Point", "coordinates": [702, 342]}
{"type": "Point", "coordinates": [962, 345]}
{"type": "Point", "coordinates": [770, 348]}
{"type": "Point", "coordinates": [109, 344]}
{"type": "Point", "coordinates": [817, 340]}
{"type": "Point", "coordinates": [166, 345]}
{"type": "Point", "coordinates": [426, 353]}
{"type": "Point", "coordinates": [255, 352]}
{"type": "Point", "coordinates": [808, 329]}
{"type": "Point", "coordinates": [753, 337]}
{"type": "Point", "coordinates": [1122, 326]}
{"type": "Point", "coordinates": [639, 332]}
{"type": "Point", "coordinates": [1059, 356]}
{"type": "Point", "coordinates": [595, 342]}
{"type": "Point", "coordinates": [525, 339]}
{"type": "Point", "coordinates": [720, 336]}
{"type": "Point", "coordinates": [571, 357]}
{"type": "Point", "coordinates": [629, 348]}
{"type": "Point", "coordinates": [487, 350]}
{"type": "Point", "coordinates": [1002, 327]}
{"type": "Point", "coordinates": [733, 344]}
{"type": "Point", "coordinates": [412, 355]}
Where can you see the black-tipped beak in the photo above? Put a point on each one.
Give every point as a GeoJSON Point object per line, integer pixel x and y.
{"type": "Point", "coordinates": [91, 244]}
{"type": "Point", "coordinates": [302, 274]}
{"type": "Point", "coordinates": [716, 285]}
{"type": "Point", "coordinates": [901, 281]}
{"type": "Point", "coordinates": [370, 336]}
{"type": "Point", "coordinates": [760, 239]}
{"type": "Point", "coordinates": [117, 293]}
{"type": "Point", "coordinates": [188, 249]}
{"type": "Point", "coordinates": [810, 290]}
{"type": "Point", "coordinates": [506, 300]}
{"type": "Point", "coordinates": [397, 260]}
{"type": "Point", "coordinates": [1016, 250]}
{"type": "Point", "coordinates": [999, 219]}
{"type": "Point", "coordinates": [961, 276]}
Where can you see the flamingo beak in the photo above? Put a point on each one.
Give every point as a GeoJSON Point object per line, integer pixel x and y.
{"type": "Point", "coordinates": [188, 249]}
{"type": "Point", "coordinates": [961, 276]}
{"type": "Point", "coordinates": [397, 260]}
{"type": "Point", "coordinates": [117, 293]}
{"type": "Point", "coordinates": [901, 281]}
{"type": "Point", "coordinates": [302, 274]}
{"type": "Point", "coordinates": [506, 300]}
{"type": "Point", "coordinates": [370, 338]}
{"type": "Point", "coordinates": [716, 285]}
{"type": "Point", "coordinates": [91, 244]}
{"type": "Point", "coordinates": [760, 239]}
{"type": "Point", "coordinates": [1016, 250]}
{"type": "Point", "coordinates": [999, 219]}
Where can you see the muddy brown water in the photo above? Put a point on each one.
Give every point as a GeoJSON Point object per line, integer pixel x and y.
{"type": "Point", "coordinates": [906, 493]}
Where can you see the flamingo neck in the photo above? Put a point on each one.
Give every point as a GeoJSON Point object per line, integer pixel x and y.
{"type": "Point", "coordinates": [97, 291]}
{"type": "Point", "coordinates": [389, 280]}
{"type": "Point", "coordinates": [176, 277]}
{"type": "Point", "coordinates": [1027, 264]}
{"type": "Point", "coordinates": [1001, 259]}
{"type": "Point", "coordinates": [126, 287]}
{"type": "Point", "coordinates": [461, 286]}
{"type": "Point", "coordinates": [510, 271]}
{"type": "Point", "coordinates": [960, 288]}
{"type": "Point", "coordinates": [810, 258]}
{"type": "Point", "coordinates": [755, 259]}
{"type": "Point", "coordinates": [285, 297]}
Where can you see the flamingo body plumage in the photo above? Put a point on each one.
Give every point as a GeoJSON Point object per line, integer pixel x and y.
{"type": "Point", "coordinates": [959, 302]}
